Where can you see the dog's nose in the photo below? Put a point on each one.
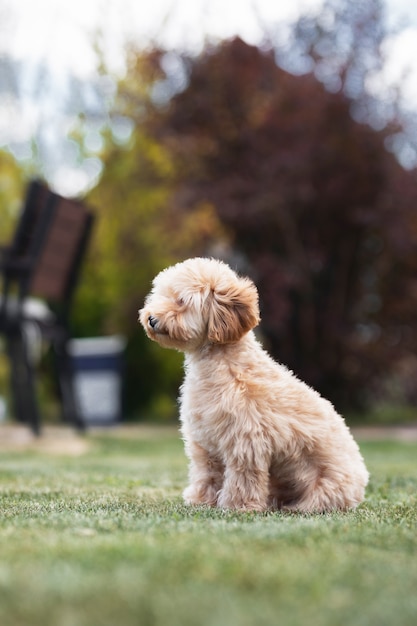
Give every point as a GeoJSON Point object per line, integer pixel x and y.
{"type": "Point", "coordinates": [152, 321]}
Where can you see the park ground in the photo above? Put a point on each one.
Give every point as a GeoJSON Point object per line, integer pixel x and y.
{"type": "Point", "coordinates": [93, 532]}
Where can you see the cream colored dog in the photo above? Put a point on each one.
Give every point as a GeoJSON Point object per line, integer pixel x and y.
{"type": "Point", "coordinates": [256, 436]}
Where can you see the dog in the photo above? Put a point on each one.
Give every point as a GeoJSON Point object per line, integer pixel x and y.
{"type": "Point", "coordinates": [256, 436]}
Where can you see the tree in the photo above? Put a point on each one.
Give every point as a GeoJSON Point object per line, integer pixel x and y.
{"type": "Point", "coordinates": [323, 212]}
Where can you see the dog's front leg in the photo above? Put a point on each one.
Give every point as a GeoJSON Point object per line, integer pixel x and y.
{"type": "Point", "coordinates": [245, 486]}
{"type": "Point", "coordinates": [206, 476]}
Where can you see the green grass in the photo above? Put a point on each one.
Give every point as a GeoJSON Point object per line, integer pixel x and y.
{"type": "Point", "coordinates": [104, 539]}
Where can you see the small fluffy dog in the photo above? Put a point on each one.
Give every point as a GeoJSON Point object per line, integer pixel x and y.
{"type": "Point", "coordinates": [257, 437]}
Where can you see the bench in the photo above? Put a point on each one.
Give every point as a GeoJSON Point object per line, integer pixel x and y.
{"type": "Point", "coordinates": [40, 271]}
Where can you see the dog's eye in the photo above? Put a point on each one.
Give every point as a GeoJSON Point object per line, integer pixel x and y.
{"type": "Point", "coordinates": [180, 301]}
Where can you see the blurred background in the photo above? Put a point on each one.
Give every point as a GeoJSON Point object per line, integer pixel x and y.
{"type": "Point", "coordinates": [282, 139]}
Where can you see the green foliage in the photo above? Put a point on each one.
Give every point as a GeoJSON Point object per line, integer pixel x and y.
{"type": "Point", "coordinates": [385, 414]}
{"type": "Point", "coordinates": [11, 194]}
{"type": "Point", "coordinates": [104, 538]}
{"type": "Point", "coordinates": [140, 229]}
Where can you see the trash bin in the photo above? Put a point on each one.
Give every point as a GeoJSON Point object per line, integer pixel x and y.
{"type": "Point", "coordinates": [98, 374]}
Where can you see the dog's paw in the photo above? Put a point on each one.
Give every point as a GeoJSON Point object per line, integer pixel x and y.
{"type": "Point", "coordinates": [200, 494]}
{"type": "Point", "coordinates": [226, 501]}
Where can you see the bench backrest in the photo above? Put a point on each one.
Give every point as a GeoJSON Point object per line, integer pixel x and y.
{"type": "Point", "coordinates": [45, 255]}
{"type": "Point", "coordinates": [61, 240]}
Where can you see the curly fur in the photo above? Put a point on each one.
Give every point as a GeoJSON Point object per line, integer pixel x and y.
{"type": "Point", "coordinates": [257, 437]}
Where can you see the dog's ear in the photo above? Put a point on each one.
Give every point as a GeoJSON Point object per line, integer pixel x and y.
{"type": "Point", "coordinates": [232, 311]}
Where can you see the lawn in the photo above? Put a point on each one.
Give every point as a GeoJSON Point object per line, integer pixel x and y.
{"type": "Point", "coordinates": [102, 538]}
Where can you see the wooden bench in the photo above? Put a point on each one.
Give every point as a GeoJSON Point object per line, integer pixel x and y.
{"type": "Point", "coordinates": [40, 271]}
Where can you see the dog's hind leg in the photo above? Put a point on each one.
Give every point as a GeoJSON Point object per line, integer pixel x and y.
{"type": "Point", "coordinates": [206, 476]}
{"type": "Point", "coordinates": [325, 496]}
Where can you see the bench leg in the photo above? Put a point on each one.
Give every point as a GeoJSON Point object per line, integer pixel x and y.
{"type": "Point", "coordinates": [22, 378]}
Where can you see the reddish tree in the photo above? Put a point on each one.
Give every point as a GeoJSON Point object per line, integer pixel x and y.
{"type": "Point", "coordinates": [322, 211]}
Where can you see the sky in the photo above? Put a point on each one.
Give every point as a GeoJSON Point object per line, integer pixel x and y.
{"type": "Point", "coordinates": [61, 31]}
{"type": "Point", "coordinates": [58, 33]}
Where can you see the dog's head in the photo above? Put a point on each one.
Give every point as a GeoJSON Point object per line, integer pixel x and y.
{"type": "Point", "coordinates": [198, 302]}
